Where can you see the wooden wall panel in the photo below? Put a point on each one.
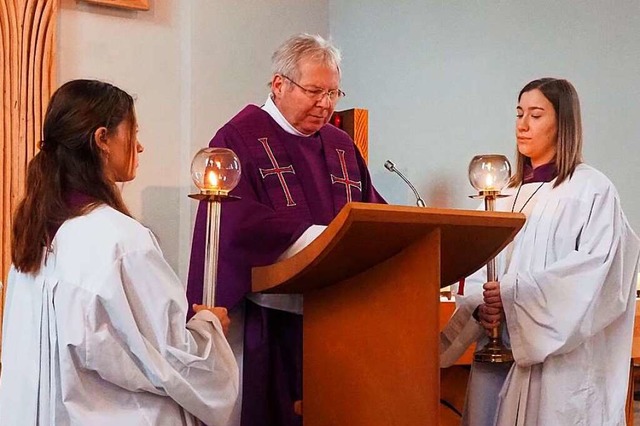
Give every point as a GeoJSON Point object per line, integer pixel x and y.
{"type": "Point", "coordinates": [123, 4]}
{"type": "Point", "coordinates": [27, 79]}
{"type": "Point", "coordinates": [356, 123]}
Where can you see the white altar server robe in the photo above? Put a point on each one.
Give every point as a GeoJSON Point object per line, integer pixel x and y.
{"type": "Point", "coordinates": [568, 288]}
{"type": "Point", "coordinates": [98, 336]}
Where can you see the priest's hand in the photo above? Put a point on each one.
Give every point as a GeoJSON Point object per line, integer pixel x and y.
{"type": "Point", "coordinates": [491, 294]}
{"type": "Point", "coordinates": [221, 313]}
{"type": "Point", "coordinates": [489, 317]}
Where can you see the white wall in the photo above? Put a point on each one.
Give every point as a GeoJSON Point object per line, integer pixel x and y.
{"type": "Point", "coordinates": [441, 78]}
{"type": "Point", "coordinates": [192, 64]}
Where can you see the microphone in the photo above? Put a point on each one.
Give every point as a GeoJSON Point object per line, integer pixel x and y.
{"type": "Point", "coordinates": [392, 168]}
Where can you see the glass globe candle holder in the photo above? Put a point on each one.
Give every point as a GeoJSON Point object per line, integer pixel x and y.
{"type": "Point", "coordinates": [216, 172]}
{"type": "Point", "coordinates": [489, 174]}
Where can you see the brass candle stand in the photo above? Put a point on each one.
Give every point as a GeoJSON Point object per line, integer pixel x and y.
{"type": "Point", "coordinates": [215, 171]}
{"type": "Point", "coordinates": [489, 174]}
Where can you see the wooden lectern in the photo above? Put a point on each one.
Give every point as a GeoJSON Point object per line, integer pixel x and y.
{"type": "Point", "coordinates": [371, 285]}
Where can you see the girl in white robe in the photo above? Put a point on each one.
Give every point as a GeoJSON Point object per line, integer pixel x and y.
{"type": "Point", "coordinates": [567, 285]}
{"type": "Point", "coordinates": [94, 327]}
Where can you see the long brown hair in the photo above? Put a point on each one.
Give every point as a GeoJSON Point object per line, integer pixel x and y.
{"type": "Point", "coordinates": [69, 161]}
{"type": "Point", "coordinates": [564, 98]}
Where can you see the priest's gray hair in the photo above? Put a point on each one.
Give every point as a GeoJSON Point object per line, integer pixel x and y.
{"type": "Point", "coordinates": [286, 58]}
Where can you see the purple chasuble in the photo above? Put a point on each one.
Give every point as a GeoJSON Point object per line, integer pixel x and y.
{"type": "Point", "coordinates": [288, 183]}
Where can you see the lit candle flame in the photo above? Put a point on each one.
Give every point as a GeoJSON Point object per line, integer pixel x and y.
{"type": "Point", "coordinates": [489, 181]}
{"type": "Point", "coordinates": [211, 179]}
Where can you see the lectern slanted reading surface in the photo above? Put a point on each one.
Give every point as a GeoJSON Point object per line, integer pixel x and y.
{"type": "Point", "coordinates": [371, 306]}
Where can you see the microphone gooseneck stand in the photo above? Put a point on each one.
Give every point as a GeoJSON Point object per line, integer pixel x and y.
{"type": "Point", "coordinates": [392, 168]}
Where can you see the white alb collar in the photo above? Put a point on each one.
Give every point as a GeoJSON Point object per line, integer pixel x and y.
{"type": "Point", "coordinates": [271, 109]}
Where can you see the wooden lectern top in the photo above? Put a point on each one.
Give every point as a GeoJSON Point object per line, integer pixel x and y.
{"type": "Point", "coordinates": [363, 235]}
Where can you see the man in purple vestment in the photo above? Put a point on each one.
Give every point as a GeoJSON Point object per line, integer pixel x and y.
{"type": "Point", "coordinates": [297, 173]}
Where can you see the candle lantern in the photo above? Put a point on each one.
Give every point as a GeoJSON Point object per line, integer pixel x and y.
{"type": "Point", "coordinates": [489, 174]}
{"type": "Point", "coordinates": [215, 171]}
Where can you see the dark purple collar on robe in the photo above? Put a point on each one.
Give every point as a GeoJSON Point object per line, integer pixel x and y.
{"type": "Point", "coordinates": [75, 200]}
{"type": "Point", "coordinates": [544, 173]}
